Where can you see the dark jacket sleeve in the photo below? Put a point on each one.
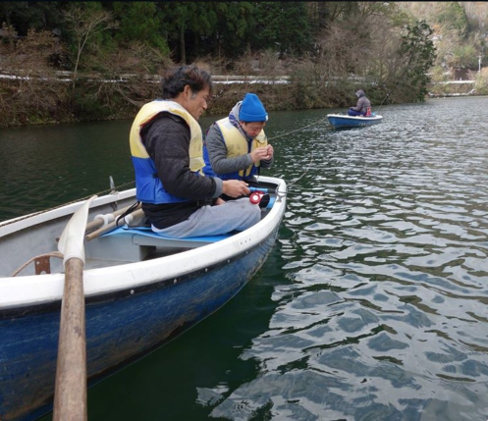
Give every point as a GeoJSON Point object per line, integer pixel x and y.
{"type": "Point", "coordinates": [167, 140]}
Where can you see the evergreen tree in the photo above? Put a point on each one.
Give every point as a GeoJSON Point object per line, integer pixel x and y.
{"type": "Point", "coordinates": [281, 26]}
{"type": "Point", "coordinates": [419, 53]}
{"type": "Point", "coordinates": [142, 22]}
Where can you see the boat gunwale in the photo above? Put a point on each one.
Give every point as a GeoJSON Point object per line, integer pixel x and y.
{"type": "Point", "coordinates": [162, 283]}
{"type": "Point", "coordinates": [13, 225]}
{"type": "Point", "coordinates": [37, 290]}
{"type": "Point", "coordinates": [356, 118]}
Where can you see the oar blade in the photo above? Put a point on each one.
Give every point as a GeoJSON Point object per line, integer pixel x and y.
{"type": "Point", "coordinates": [73, 236]}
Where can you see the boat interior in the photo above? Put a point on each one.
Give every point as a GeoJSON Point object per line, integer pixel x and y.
{"type": "Point", "coordinates": [114, 243]}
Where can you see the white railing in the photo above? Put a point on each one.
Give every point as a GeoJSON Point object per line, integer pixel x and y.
{"type": "Point", "coordinates": [65, 76]}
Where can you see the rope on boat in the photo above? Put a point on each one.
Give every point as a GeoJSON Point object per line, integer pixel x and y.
{"type": "Point", "coordinates": [52, 254]}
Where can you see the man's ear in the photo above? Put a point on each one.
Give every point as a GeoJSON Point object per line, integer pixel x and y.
{"type": "Point", "coordinates": [187, 91]}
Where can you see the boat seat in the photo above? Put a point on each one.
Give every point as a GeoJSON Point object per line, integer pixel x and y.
{"type": "Point", "coordinates": [133, 244]}
{"type": "Point", "coordinates": [144, 236]}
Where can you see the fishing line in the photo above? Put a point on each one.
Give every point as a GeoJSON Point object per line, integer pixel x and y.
{"type": "Point", "coordinates": [300, 128]}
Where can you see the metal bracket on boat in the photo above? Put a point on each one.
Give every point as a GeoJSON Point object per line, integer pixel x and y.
{"type": "Point", "coordinates": [280, 195]}
{"type": "Point", "coordinates": [42, 265]}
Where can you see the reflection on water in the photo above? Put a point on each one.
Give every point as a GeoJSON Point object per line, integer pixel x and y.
{"type": "Point", "coordinates": [373, 304]}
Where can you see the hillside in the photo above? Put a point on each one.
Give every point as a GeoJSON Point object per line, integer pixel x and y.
{"type": "Point", "coordinates": [460, 34]}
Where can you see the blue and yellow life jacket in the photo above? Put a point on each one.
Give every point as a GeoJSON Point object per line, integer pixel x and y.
{"type": "Point", "coordinates": [237, 145]}
{"type": "Point", "coordinates": [149, 188]}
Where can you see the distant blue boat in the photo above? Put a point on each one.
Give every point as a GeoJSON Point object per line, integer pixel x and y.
{"type": "Point", "coordinates": [141, 290]}
{"type": "Point", "coordinates": [342, 121]}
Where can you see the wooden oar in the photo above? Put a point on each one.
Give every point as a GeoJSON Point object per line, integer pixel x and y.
{"type": "Point", "coordinates": [70, 395]}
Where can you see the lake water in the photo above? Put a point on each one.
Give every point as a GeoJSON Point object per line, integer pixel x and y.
{"type": "Point", "coordinates": [373, 303]}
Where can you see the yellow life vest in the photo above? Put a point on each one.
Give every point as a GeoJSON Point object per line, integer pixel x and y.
{"type": "Point", "coordinates": [148, 112]}
{"type": "Point", "coordinates": [238, 145]}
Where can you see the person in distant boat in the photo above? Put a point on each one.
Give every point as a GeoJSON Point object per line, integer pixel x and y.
{"type": "Point", "coordinates": [363, 106]}
{"type": "Point", "coordinates": [166, 146]}
{"type": "Point", "coordinates": [236, 146]}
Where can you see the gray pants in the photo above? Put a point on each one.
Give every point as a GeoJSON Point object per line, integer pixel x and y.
{"type": "Point", "coordinates": [233, 215]}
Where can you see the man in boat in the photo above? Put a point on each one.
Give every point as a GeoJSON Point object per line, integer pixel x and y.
{"type": "Point", "coordinates": [236, 147]}
{"type": "Point", "coordinates": [166, 147]}
{"type": "Point", "coordinates": [363, 106]}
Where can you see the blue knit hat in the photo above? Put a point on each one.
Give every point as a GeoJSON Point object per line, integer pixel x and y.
{"type": "Point", "coordinates": [252, 109]}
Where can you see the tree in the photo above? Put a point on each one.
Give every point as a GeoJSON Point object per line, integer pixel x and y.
{"type": "Point", "coordinates": [140, 22]}
{"type": "Point", "coordinates": [85, 22]}
{"type": "Point", "coordinates": [235, 21]}
{"type": "Point", "coordinates": [281, 26]}
{"type": "Point", "coordinates": [452, 17]}
{"type": "Point", "coordinates": [132, 68]}
{"type": "Point", "coordinates": [418, 53]}
{"type": "Point", "coordinates": [178, 17]}
{"type": "Point", "coordinates": [35, 94]}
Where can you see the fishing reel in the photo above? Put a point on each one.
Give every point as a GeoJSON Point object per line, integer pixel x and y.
{"type": "Point", "coordinates": [256, 197]}
{"type": "Point", "coordinates": [259, 197]}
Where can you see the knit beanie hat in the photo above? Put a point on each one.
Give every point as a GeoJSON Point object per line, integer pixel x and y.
{"type": "Point", "coordinates": [252, 109]}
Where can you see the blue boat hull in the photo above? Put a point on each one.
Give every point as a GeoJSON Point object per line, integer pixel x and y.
{"type": "Point", "coordinates": [121, 327]}
{"type": "Point", "coordinates": [339, 121]}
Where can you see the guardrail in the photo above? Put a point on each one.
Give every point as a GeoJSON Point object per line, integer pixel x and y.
{"type": "Point", "coordinates": [65, 76]}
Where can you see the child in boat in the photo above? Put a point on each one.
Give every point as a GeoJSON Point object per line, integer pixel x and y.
{"type": "Point", "coordinates": [236, 147]}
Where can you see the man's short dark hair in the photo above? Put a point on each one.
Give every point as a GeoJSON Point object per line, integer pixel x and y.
{"type": "Point", "coordinates": [175, 80]}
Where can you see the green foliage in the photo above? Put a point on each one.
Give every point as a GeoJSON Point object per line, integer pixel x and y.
{"type": "Point", "coordinates": [78, 16]}
{"type": "Point", "coordinates": [464, 56]}
{"type": "Point", "coordinates": [282, 26]}
{"type": "Point", "coordinates": [233, 28]}
{"type": "Point", "coordinates": [198, 29]}
{"type": "Point", "coordinates": [36, 15]}
{"type": "Point", "coordinates": [131, 27]}
{"type": "Point", "coordinates": [453, 18]}
{"type": "Point", "coordinates": [419, 53]}
{"type": "Point", "coordinates": [457, 25]}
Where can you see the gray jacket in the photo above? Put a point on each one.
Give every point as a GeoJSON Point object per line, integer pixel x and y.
{"type": "Point", "coordinates": [217, 151]}
{"type": "Point", "coordinates": [363, 102]}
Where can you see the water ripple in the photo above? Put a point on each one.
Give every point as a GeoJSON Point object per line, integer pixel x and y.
{"type": "Point", "coordinates": [384, 313]}
{"type": "Point", "coordinates": [378, 309]}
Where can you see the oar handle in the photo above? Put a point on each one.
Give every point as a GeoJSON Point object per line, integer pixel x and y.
{"type": "Point", "coordinates": [70, 395]}
{"type": "Point", "coordinates": [70, 389]}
